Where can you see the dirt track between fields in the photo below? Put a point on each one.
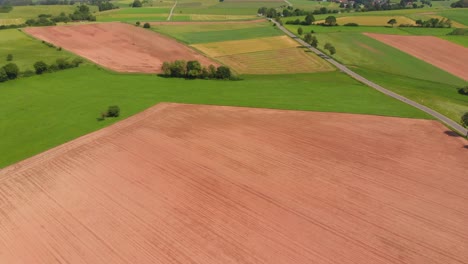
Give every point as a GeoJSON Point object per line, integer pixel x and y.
{"type": "Point", "coordinates": [441, 53]}
{"type": "Point", "coordinates": [206, 184]}
{"type": "Point", "coordinates": [117, 46]}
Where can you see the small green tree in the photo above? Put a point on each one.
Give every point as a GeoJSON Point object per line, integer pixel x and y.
{"type": "Point", "coordinates": [166, 68]}
{"type": "Point", "coordinates": [9, 57]}
{"type": "Point", "coordinates": [178, 68]}
{"type": "Point", "coordinates": [309, 19]}
{"type": "Point", "coordinates": [314, 42]}
{"type": "Point", "coordinates": [464, 119]}
{"type": "Point", "coordinates": [392, 22]}
{"type": "Point", "coordinates": [330, 21]}
{"type": "Point", "coordinates": [113, 111]}
{"type": "Point", "coordinates": [3, 75]}
{"type": "Point", "coordinates": [147, 25]}
{"type": "Point", "coordinates": [212, 71]}
{"type": "Point", "coordinates": [332, 50]}
{"type": "Point", "coordinates": [308, 38]}
{"type": "Point", "coordinates": [194, 69]}
{"type": "Point", "coordinates": [300, 31]}
{"type": "Point", "coordinates": [137, 23]}
{"type": "Point", "coordinates": [11, 70]}
{"type": "Point", "coordinates": [463, 90]}
{"type": "Point", "coordinates": [327, 46]}
{"type": "Point", "coordinates": [223, 72]}
{"type": "Point", "coordinates": [40, 67]}
{"type": "Point", "coordinates": [136, 3]}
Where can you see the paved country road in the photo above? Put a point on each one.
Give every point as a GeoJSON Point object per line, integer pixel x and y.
{"type": "Point", "coordinates": [449, 122]}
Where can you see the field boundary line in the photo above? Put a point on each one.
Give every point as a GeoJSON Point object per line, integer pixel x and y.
{"type": "Point", "coordinates": [447, 121]}
{"type": "Point", "coordinates": [172, 11]}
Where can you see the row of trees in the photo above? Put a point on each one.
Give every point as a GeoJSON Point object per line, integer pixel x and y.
{"type": "Point", "coordinates": [290, 11]}
{"type": "Point", "coordinates": [11, 71]}
{"type": "Point", "coordinates": [308, 20]}
{"type": "Point", "coordinates": [194, 70]}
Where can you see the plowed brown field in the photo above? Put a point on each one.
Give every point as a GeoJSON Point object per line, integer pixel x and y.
{"type": "Point", "coordinates": [206, 184]}
{"type": "Point", "coordinates": [117, 46]}
{"type": "Point", "coordinates": [441, 53]}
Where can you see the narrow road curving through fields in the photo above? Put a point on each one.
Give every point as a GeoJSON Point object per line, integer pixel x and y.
{"type": "Point", "coordinates": [449, 122]}
{"type": "Point", "coordinates": [172, 11]}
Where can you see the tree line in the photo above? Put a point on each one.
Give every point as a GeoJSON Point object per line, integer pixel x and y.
{"type": "Point", "coordinates": [11, 71]}
{"type": "Point", "coordinates": [194, 70]}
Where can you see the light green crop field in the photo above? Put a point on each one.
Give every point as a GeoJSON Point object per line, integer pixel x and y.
{"type": "Point", "coordinates": [135, 14]}
{"type": "Point", "coordinates": [460, 40]}
{"type": "Point", "coordinates": [44, 111]}
{"type": "Point", "coordinates": [20, 14]}
{"type": "Point", "coordinates": [458, 14]}
{"type": "Point", "coordinates": [27, 50]}
{"type": "Point", "coordinates": [192, 34]}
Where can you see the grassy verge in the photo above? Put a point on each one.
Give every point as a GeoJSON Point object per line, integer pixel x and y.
{"type": "Point", "coordinates": [27, 50]}
{"type": "Point", "coordinates": [44, 111]}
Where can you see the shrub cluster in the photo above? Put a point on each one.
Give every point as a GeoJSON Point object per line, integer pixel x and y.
{"type": "Point", "coordinates": [5, 8]}
{"type": "Point", "coordinates": [464, 119]}
{"type": "Point", "coordinates": [351, 24]}
{"type": "Point", "coordinates": [330, 48]}
{"type": "Point", "coordinates": [308, 20]}
{"type": "Point", "coordinates": [311, 40]}
{"type": "Point", "coordinates": [459, 32]}
{"type": "Point", "coordinates": [460, 4]}
{"type": "Point", "coordinates": [194, 70]}
{"type": "Point", "coordinates": [463, 90]}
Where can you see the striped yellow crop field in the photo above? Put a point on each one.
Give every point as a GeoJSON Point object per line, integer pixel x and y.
{"type": "Point", "coordinates": [281, 61]}
{"type": "Point", "coordinates": [272, 55]}
{"type": "Point", "coordinates": [217, 49]}
{"type": "Point", "coordinates": [372, 20]}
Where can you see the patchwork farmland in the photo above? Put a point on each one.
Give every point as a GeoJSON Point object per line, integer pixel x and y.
{"type": "Point", "coordinates": [280, 154]}
{"type": "Point", "coordinates": [209, 184]}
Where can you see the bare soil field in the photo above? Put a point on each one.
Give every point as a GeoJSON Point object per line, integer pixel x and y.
{"type": "Point", "coordinates": [438, 52]}
{"type": "Point", "coordinates": [206, 184]}
{"type": "Point", "coordinates": [117, 46]}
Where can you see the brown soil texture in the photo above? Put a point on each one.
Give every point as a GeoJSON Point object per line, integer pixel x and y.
{"type": "Point", "coordinates": [207, 22]}
{"type": "Point", "coordinates": [117, 46]}
{"type": "Point", "coordinates": [206, 184]}
{"type": "Point", "coordinates": [438, 52]}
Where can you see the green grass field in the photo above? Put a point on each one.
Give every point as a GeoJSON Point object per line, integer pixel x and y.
{"type": "Point", "coordinates": [192, 34]}
{"type": "Point", "coordinates": [458, 14]}
{"type": "Point", "coordinates": [134, 14]}
{"type": "Point", "coordinates": [44, 111]}
{"type": "Point", "coordinates": [27, 50]}
{"type": "Point", "coordinates": [20, 14]}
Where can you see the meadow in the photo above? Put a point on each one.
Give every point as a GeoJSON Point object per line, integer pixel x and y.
{"type": "Point", "coordinates": [20, 14]}
{"type": "Point", "coordinates": [44, 111]}
{"type": "Point", "coordinates": [192, 34]}
{"type": "Point", "coordinates": [27, 50]}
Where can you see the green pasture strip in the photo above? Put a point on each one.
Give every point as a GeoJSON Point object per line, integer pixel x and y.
{"type": "Point", "coordinates": [26, 50]}
{"type": "Point", "coordinates": [47, 110]}
{"type": "Point", "coordinates": [217, 36]}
